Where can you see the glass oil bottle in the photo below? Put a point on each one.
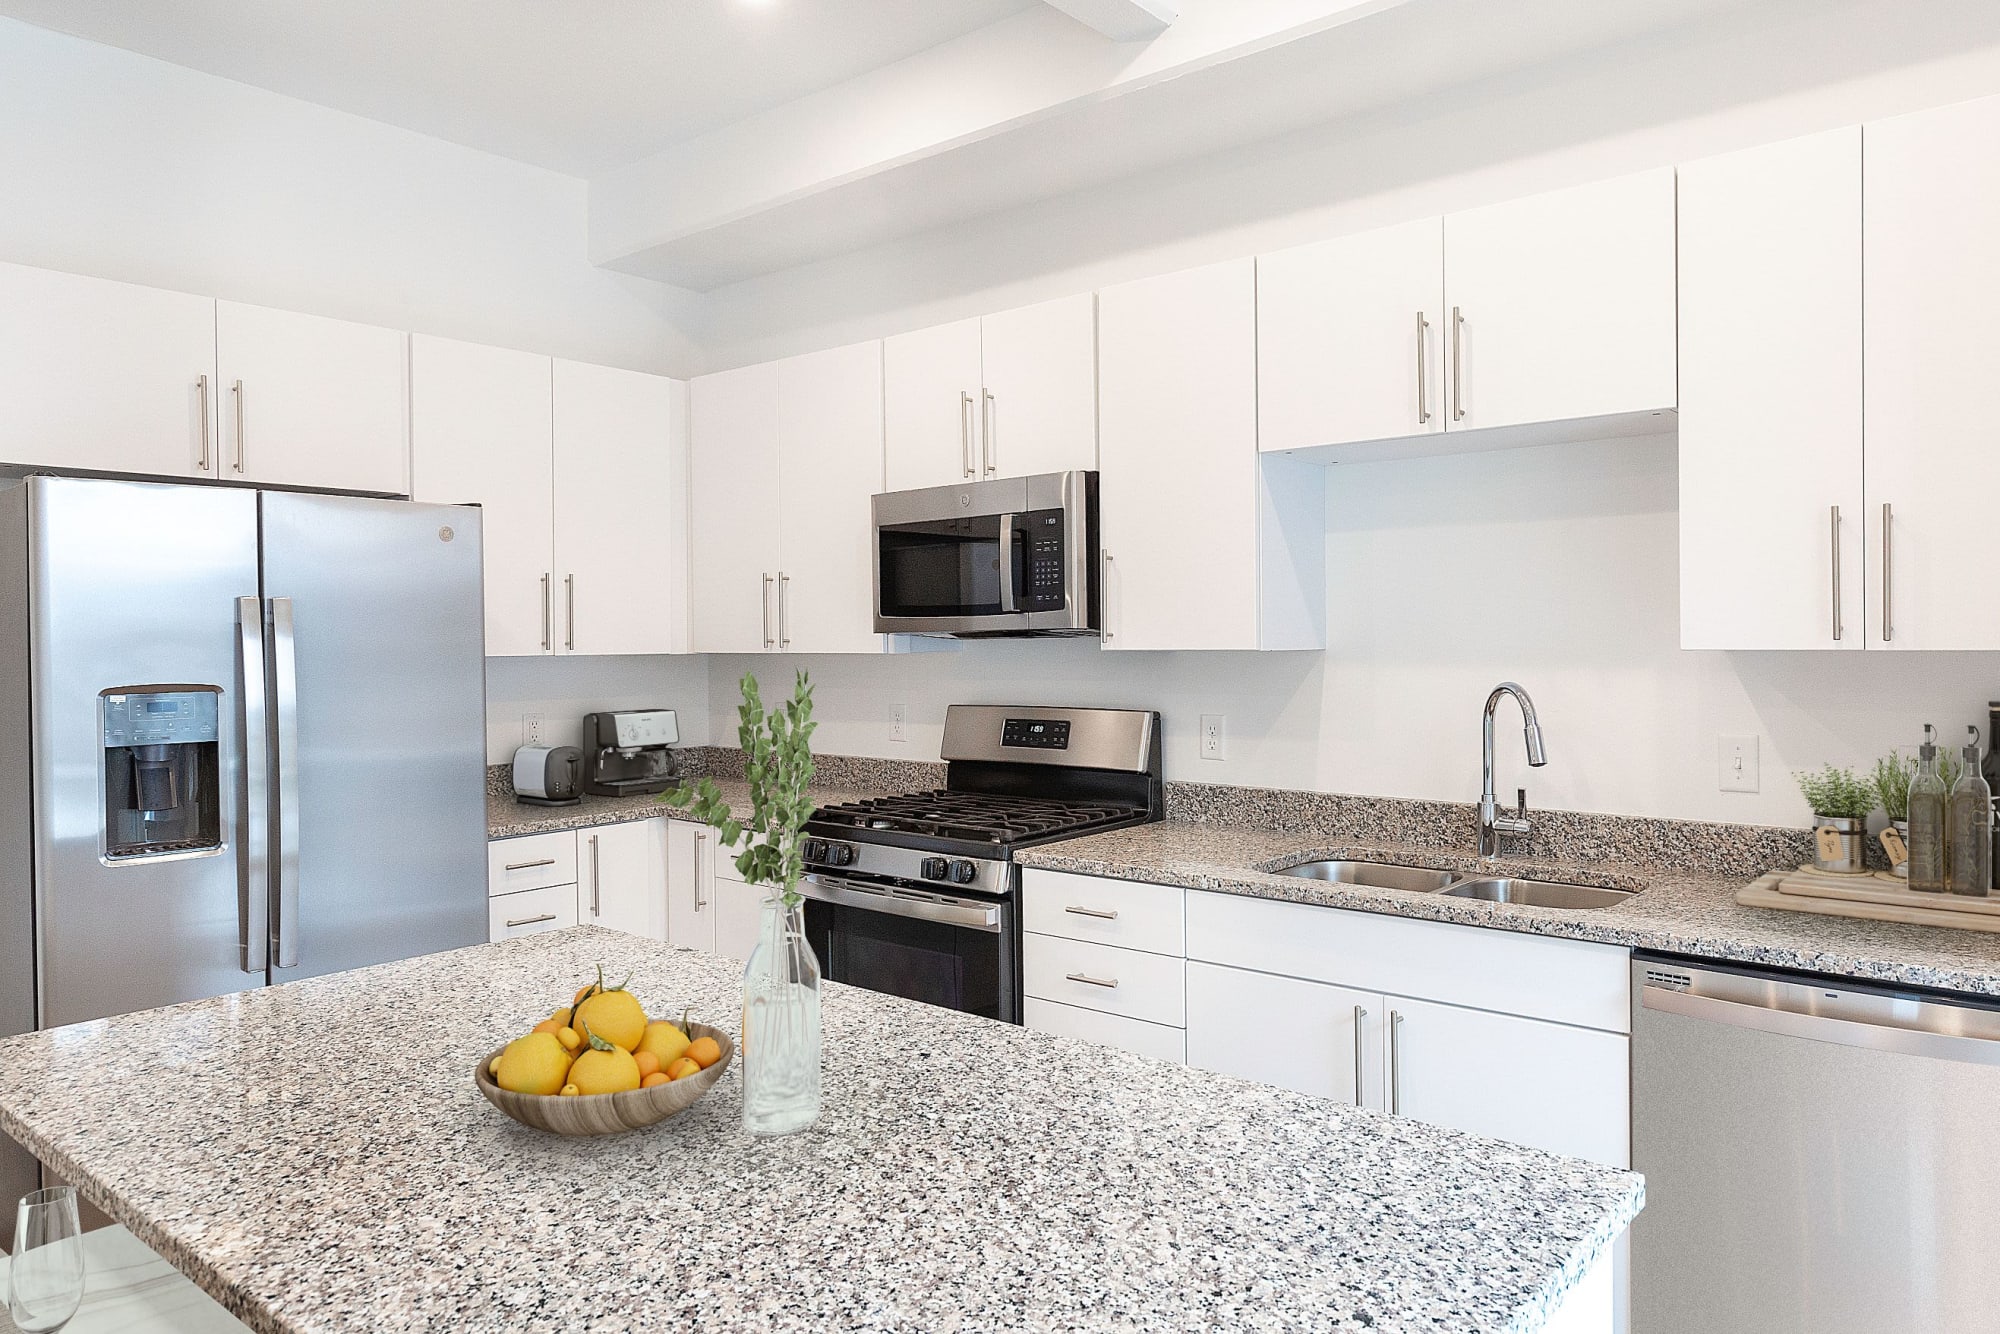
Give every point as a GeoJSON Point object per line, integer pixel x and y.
{"type": "Point", "coordinates": [1969, 821]}
{"type": "Point", "coordinates": [1927, 819]}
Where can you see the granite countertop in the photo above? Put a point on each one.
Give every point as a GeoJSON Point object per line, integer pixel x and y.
{"type": "Point", "coordinates": [1676, 913]}
{"type": "Point", "coordinates": [316, 1157]}
{"type": "Point", "coordinates": [508, 818]}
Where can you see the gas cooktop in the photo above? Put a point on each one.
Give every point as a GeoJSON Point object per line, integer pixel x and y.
{"type": "Point", "coordinates": [989, 820]}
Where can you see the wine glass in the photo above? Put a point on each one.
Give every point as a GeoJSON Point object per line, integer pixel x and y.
{"type": "Point", "coordinates": [46, 1280]}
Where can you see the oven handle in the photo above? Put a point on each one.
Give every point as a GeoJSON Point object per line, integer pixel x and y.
{"type": "Point", "coordinates": [869, 898]}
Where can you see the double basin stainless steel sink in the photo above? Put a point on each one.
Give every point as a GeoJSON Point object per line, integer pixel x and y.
{"type": "Point", "coordinates": [1454, 885]}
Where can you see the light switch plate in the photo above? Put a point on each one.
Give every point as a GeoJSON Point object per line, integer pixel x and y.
{"type": "Point", "coordinates": [1214, 737]}
{"type": "Point", "coordinates": [1737, 761]}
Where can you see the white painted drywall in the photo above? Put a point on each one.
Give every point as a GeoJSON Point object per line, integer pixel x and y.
{"type": "Point", "coordinates": [125, 167]}
{"type": "Point", "coordinates": [563, 689]}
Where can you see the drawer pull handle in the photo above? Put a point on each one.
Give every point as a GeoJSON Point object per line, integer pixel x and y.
{"type": "Point", "coordinates": [530, 921]}
{"type": "Point", "coordinates": [1094, 912]}
{"type": "Point", "coordinates": [1092, 981]}
{"type": "Point", "coordinates": [529, 866]}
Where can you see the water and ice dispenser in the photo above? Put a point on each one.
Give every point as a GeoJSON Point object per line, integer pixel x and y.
{"type": "Point", "coordinates": [161, 794]}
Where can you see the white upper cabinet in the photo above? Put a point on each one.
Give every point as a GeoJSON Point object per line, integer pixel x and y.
{"type": "Point", "coordinates": [106, 375]}
{"type": "Point", "coordinates": [1007, 395]}
{"type": "Point", "coordinates": [1350, 338]}
{"type": "Point", "coordinates": [1772, 513]}
{"type": "Point", "coordinates": [733, 546]}
{"type": "Point", "coordinates": [1202, 547]}
{"type": "Point", "coordinates": [480, 431]}
{"type": "Point", "coordinates": [1931, 218]}
{"type": "Point", "coordinates": [619, 537]}
{"type": "Point", "coordinates": [829, 432]}
{"type": "Point", "coordinates": [1561, 305]}
{"type": "Point", "coordinates": [311, 402]}
{"type": "Point", "coordinates": [932, 396]}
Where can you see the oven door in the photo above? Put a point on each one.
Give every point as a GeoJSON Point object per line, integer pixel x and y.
{"type": "Point", "coordinates": [962, 953]}
{"type": "Point", "coordinates": [1011, 557]}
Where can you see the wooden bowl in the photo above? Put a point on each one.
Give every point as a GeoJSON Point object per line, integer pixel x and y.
{"type": "Point", "coordinates": [608, 1113]}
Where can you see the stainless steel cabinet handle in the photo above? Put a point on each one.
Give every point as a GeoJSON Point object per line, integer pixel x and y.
{"type": "Point", "coordinates": [965, 431]}
{"type": "Point", "coordinates": [528, 866]}
{"type": "Point", "coordinates": [569, 611]}
{"type": "Point", "coordinates": [768, 641]}
{"type": "Point", "coordinates": [201, 397]}
{"type": "Point", "coordinates": [596, 905]}
{"type": "Point", "coordinates": [1094, 912]}
{"type": "Point", "coordinates": [989, 448]}
{"type": "Point", "coordinates": [1423, 387]}
{"type": "Point", "coordinates": [285, 677]}
{"type": "Point", "coordinates": [253, 872]}
{"type": "Point", "coordinates": [1457, 365]}
{"type": "Point", "coordinates": [1835, 527]}
{"type": "Point", "coordinates": [1092, 981]}
{"type": "Point", "coordinates": [1888, 571]}
{"type": "Point", "coordinates": [1359, 1015]}
{"type": "Point", "coordinates": [237, 390]}
{"type": "Point", "coordinates": [784, 610]}
{"type": "Point", "coordinates": [548, 622]}
{"type": "Point", "coordinates": [700, 837]}
{"type": "Point", "coordinates": [1395, 1064]}
{"type": "Point", "coordinates": [1106, 597]}
{"type": "Point", "coordinates": [530, 921]}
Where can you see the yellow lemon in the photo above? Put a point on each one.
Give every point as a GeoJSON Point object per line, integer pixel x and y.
{"type": "Point", "coordinates": [536, 1063]}
{"type": "Point", "coordinates": [667, 1043]}
{"type": "Point", "coordinates": [598, 1071]}
{"type": "Point", "coordinates": [614, 1016]}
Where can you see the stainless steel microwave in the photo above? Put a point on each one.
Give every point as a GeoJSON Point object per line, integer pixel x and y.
{"type": "Point", "coordinates": [1016, 556]}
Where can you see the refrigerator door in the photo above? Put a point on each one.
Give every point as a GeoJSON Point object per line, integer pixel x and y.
{"type": "Point", "coordinates": [378, 714]}
{"type": "Point", "coordinates": [133, 585]}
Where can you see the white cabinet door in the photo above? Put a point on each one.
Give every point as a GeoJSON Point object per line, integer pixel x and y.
{"type": "Point", "coordinates": [738, 913]}
{"type": "Point", "coordinates": [480, 432]}
{"type": "Point", "coordinates": [1309, 1036]}
{"type": "Point", "coordinates": [1349, 338]}
{"type": "Point", "coordinates": [1549, 1086]}
{"type": "Point", "coordinates": [618, 438]}
{"type": "Point", "coordinates": [105, 375]}
{"type": "Point", "coordinates": [1566, 301]}
{"type": "Point", "coordinates": [1039, 412]}
{"type": "Point", "coordinates": [312, 402]}
{"type": "Point", "coordinates": [1770, 397]}
{"type": "Point", "coordinates": [1932, 210]}
{"type": "Point", "coordinates": [733, 537]}
{"type": "Point", "coordinates": [1179, 491]}
{"type": "Point", "coordinates": [930, 405]}
{"type": "Point", "coordinates": [690, 886]}
{"type": "Point", "coordinates": [829, 467]}
{"type": "Point", "coordinates": [622, 877]}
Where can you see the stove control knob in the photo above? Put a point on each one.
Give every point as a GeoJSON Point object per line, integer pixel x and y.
{"type": "Point", "coordinates": [935, 868]}
{"type": "Point", "coordinates": [814, 850]}
{"type": "Point", "coordinates": [964, 873]}
{"type": "Point", "coordinates": [840, 854]}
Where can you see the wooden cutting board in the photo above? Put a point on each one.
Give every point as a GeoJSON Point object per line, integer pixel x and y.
{"type": "Point", "coordinates": [1862, 896]}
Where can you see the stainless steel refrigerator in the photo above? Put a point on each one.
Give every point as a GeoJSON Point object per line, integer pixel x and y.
{"type": "Point", "coordinates": [242, 741]}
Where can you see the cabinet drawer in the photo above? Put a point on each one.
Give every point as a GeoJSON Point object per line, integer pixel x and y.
{"type": "Point", "coordinates": [1111, 912]}
{"type": "Point", "coordinates": [531, 862]}
{"type": "Point", "coordinates": [529, 911]}
{"type": "Point", "coordinates": [1113, 1030]}
{"type": "Point", "coordinates": [1128, 982]}
{"type": "Point", "coordinates": [1541, 977]}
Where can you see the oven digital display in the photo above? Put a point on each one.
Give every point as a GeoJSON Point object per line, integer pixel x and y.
{"type": "Point", "coordinates": [1036, 733]}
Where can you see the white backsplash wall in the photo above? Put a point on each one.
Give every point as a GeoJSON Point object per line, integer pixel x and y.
{"type": "Point", "coordinates": [1556, 567]}
{"type": "Point", "coordinates": [563, 689]}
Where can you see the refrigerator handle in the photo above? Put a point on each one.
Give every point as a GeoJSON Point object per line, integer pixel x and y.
{"type": "Point", "coordinates": [253, 862]}
{"type": "Point", "coordinates": [285, 701]}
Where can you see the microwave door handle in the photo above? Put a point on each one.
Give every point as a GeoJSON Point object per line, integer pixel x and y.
{"type": "Point", "coordinates": [1009, 600]}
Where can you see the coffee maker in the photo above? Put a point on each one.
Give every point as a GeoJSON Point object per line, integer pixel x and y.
{"type": "Point", "coordinates": [627, 752]}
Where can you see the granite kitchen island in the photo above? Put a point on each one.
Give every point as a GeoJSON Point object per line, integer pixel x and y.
{"type": "Point", "coordinates": [315, 1156]}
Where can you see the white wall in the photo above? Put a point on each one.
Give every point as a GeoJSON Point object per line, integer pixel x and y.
{"type": "Point", "coordinates": [1556, 567]}
{"type": "Point", "coordinates": [562, 690]}
{"type": "Point", "coordinates": [125, 167]}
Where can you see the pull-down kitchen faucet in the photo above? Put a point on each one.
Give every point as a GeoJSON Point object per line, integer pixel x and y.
{"type": "Point", "coordinates": [1494, 826]}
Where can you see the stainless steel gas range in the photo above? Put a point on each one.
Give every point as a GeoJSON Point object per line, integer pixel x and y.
{"type": "Point", "coordinates": [918, 895]}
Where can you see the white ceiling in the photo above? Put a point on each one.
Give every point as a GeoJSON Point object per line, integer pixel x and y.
{"type": "Point", "coordinates": [576, 85]}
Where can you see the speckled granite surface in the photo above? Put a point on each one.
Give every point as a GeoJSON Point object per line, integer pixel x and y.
{"type": "Point", "coordinates": [508, 818]}
{"type": "Point", "coordinates": [316, 1157]}
{"type": "Point", "coordinates": [1680, 912]}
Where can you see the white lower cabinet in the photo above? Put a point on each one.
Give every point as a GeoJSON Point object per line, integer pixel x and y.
{"type": "Point", "coordinates": [739, 909]}
{"type": "Point", "coordinates": [1158, 1041]}
{"type": "Point", "coordinates": [614, 876]}
{"type": "Point", "coordinates": [1308, 1036]}
{"type": "Point", "coordinates": [528, 912]}
{"type": "Point", "coordinates": [691, 886]}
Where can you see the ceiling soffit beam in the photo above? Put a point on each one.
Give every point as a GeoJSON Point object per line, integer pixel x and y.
{"type": "Point", "coordinates": [1122, 20]}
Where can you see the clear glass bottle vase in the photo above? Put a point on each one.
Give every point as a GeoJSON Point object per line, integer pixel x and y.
{"type": "Point", "coordinates": [781, 1036]}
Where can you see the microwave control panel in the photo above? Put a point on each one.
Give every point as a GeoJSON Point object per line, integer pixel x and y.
{"type": "Point", "coordinates": [1042, 590]}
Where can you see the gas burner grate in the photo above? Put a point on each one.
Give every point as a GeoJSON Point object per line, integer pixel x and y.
{"type": "Point", "coordinates": [973, 817]}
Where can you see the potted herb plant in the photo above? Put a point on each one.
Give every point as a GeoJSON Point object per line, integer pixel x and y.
{"type": "Point", "coordinates": [1893, 774]}
{"type": "Point", "coordinates": [780, 1044]}
{"type": "Point", "coordinates": [1840, 802]}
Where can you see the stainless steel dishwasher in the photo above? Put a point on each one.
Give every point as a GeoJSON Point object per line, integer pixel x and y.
{"type": "Point", "coordinates": [1819, 1158]}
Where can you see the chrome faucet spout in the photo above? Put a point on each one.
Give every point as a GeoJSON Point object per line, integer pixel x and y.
{"type": "Point", "coordinates": [1493, 826]}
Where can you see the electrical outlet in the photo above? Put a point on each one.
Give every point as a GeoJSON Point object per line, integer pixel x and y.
{"type": "Point", "coordinates": [1214, 737]}
{"type": "Point", "coordinates": [531, 729]}
{"type": "Point", "coordinates": [899, 722]}
{"type": "Point", "coordinates": [1737, 756]}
